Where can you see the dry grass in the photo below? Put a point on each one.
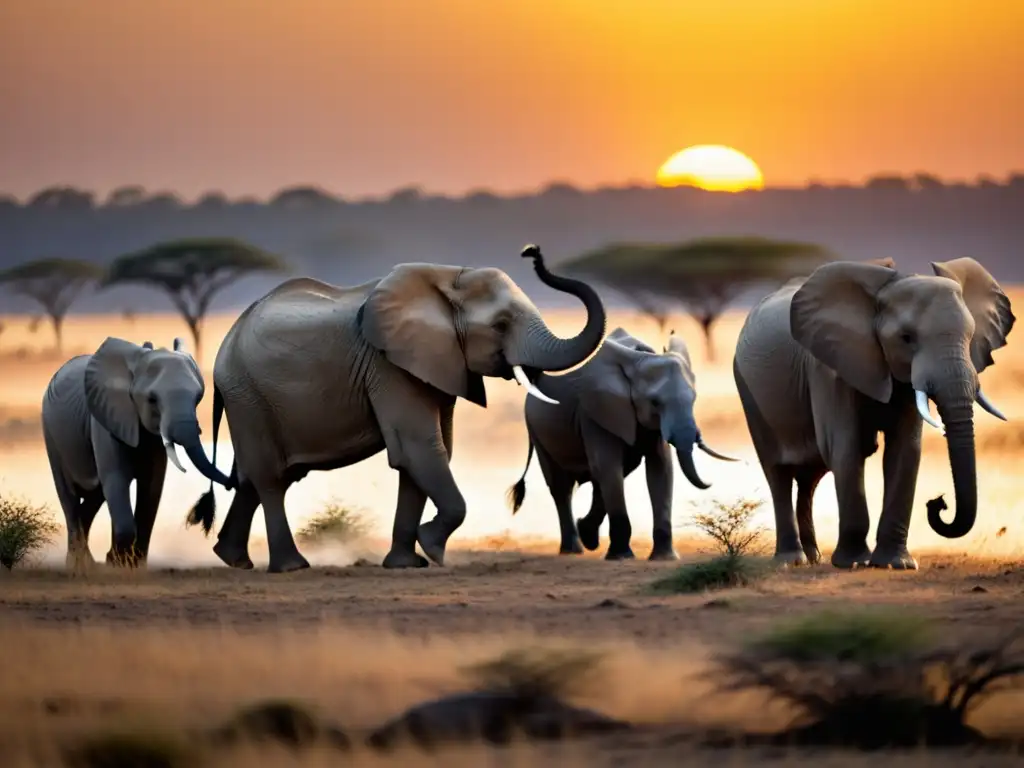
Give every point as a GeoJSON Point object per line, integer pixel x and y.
{"type": "Point", "coordinates": [169, 650]}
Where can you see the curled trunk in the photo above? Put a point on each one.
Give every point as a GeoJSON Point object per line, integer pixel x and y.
{"type": "Point", "coordinates": [547, 352]}
{"type": "Point", "coordinates": [186, 434]}
{"type": "Point", "coordinates": [958, 419]}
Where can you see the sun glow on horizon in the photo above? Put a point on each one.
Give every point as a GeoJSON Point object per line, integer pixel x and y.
{"type": "Point", "coordinates": [712, 167]}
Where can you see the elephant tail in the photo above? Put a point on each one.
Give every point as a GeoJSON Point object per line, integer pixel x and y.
{"type": "Point", "coordinates": [517, 492]}
{"type": "Point", "coordinates": [205, 510]}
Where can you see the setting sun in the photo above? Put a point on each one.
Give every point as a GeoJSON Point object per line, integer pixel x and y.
{"type": "Point", "coordinates": [713, 167]}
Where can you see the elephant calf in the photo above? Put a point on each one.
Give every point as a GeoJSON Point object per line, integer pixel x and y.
{"type": "Point", "coordinates": [113, 417]}
{"type": "Point", "coordinates": [626, 404]}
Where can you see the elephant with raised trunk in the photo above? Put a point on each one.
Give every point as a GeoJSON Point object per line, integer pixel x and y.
{"type": "Point", "coordinates": [113, 417]}
{"type": "Point", "coordinates": [314, 376]}
{"type": "Point", "coordinates": [625, 405]}
{"type": "Point", "coordinates": [826, 363]}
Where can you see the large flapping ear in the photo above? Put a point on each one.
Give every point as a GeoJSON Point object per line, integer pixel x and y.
{"type": "Point", "coordinates": [108, 382]}
{"type": "Point", "coordinates": [676, 346]}
{"type": "Point", "coordinates": [993, 317]}
{"type": "Point", "coordinates": [606, 396]}
{"type": "Point", "coordinates": [409, 316]}
{"type": "Point", "coordinates": [622, 336]}
{"type": "Point", "coordinates": [832, 315]}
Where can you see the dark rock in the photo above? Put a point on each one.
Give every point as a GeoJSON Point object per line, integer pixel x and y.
{"type": "Point", "coordinates": [496, 717]}
{"type": "Point", "coordinates": [283, 722]}
{"type": "Point", "coordinates": [978, 588]}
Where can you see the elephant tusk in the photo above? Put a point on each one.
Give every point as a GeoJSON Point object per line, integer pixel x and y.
{"type": "Point", "coordinates": [713, 453]}
{"type": "Point", "coordinates": [172, 454]}
{"type": "Point", "coordinates": [923, 409]}
{"type": "Point", "coordinates": [985, 403]}
{"type": "Point", "coordinates": [522, 378]}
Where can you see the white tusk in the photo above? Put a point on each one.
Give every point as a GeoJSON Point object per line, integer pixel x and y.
{"type": "Point", "coordinates": [172, 454]}
{"type": "Point", "coordinates": [985, 403]}
{"type": "Point", "coordinates": [923, 409]}
{"type": "Point", "coordinates": [521, 377]}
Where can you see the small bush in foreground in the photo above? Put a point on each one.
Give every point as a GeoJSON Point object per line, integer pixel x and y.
{"type": "Point", "coordinates": [536, 672]}
{"type": "Point", "coordinates": [130, 749]}
{"type": "Point", "coordinates": [728, 525]}
{"type": "Point", "coordinates": [335, 522]}
{"type": "Point", "coordinates": [721, 572]}
{"type": "Point", "coordinates": [873, 681]}
{"type": "Point", "coordinates": [24, 529]}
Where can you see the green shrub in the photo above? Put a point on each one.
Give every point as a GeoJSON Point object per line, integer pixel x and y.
{"type": "Point", "coordinates": [335, 522]}
{"type": "Point", "coordinates": [536, 672]}
{"type": "Point", "coordinates": [720, 572]}
{"type": "Point", "coordinates": [24, 529]}
{"type": "Point", "coordinates": [728, 526]}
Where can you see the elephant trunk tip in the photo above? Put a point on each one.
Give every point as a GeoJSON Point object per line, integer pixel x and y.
{"type": "Point", "coordinates": [515, 495]}
{"type": "Point", "coordinates": [203, 513]}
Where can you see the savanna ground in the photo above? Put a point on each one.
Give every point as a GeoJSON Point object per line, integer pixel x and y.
{"type": "Point", "coordinates": [187, 642]}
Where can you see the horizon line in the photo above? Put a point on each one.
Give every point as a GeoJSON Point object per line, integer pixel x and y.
{"type": "Point", "coordinates": [424, 192]}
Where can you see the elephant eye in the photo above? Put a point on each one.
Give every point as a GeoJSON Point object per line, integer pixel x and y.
{"type": "Point", "coordinates": [907, 337]}
{"type": "Point", "coordinates": [500, 326]}
{"type": "Point", "coordinates": [152, 398]}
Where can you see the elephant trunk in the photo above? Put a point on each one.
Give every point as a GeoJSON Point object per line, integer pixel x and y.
{"type": "Point", "coordinates": [684, 438]}
{"type": "Point", "coordinates": [185, 433]}
{"type": "Point", "coordinates": [957, 414]}
{"type": "Point", "coordinates": [547, 352]}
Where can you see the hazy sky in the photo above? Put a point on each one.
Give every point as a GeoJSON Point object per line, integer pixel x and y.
{"type": "Point", "coordinates": [362, 96]}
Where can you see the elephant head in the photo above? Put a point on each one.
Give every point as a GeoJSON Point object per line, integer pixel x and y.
{"type": "Point", "coordinates": [872, 325]}
{"type": "Point", "coordinates": [630, 384]}
{"type": "Point", "coordinates": [451, 326]}
{"type": "Point", "coordinates": [128, 386]}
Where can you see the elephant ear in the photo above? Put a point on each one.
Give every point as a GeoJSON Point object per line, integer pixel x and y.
{"type": "Point", "coordinates": [832, 315]}
{"type": "Point", "coordinates": [409, 316]}
{"type": "Point", "coordinates": [993, 317]}
{"type": "Point", "coordinates": [607, 398]}
{"type": "Point", "coordinates": [621, 336]}
{"type": "Point", "coordinates": [108, 382]}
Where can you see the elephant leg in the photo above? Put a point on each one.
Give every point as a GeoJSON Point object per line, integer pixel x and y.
{"type": "Point", "coordinates": [232, 545]}
{"type": "Point", "coordinates": [149, 488]}
{"type": "Point", "coordinates": [428, 467]}
{"type": "Point", "coordinates": [787, 540]}
{"type": "Point", "coordinates": [411, 500]}
{"type": "Point", "coordinates": [589, 526]}
{"type": "Point", "coordinates": [116, 490]}
{"type": "Point", "coordinates": [807, 480]}
{"type": "Point", "coordinates": [284, 555]}
{"type": "Point", "coordinates": [658, 464]}
{"type": "Point", "coordinates": [90, 506]}
{"type": "Point", "coordinates": [620, 530]}
{"type": "Point", "coordinates": [900, 463]}
{"type": "Point", "coordinates": [854, 522]}
{"type": "Point", "coordinates": [561, 485]}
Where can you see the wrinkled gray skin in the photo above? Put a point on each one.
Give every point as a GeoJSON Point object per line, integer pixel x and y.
{"type": "Point", "coordinates": [625, 405]}
{"type": "Point", "coordinates": [313, 376]}
{"type": "Point", "coordinates": [107, 418]}
{"type": "Point", "coordinates": [824, 364]}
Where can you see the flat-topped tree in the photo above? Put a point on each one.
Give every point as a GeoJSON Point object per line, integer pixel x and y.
{"type": "Point", "coordinates": [704, 276]}
{"type": "Point", "coordinates": [192, 271]}
{"type": "Point", "coordinates": [54, 284]}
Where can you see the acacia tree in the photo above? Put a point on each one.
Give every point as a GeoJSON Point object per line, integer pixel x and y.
{"type": "Point", "coordinates": [192, 271]}
{"type": "Point", "coordinates": [54, 284]}
{"type": "Point", "coordinates": [703, 276]}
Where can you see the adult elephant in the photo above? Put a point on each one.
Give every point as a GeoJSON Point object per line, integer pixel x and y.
{"type": "Point", "coordinates": [627, 404]}
{"type": "Point", "coordinates": [824, 364]}
{"type": "Point", "coordinates": [114, 417]}
{"type": "Point", "coordinates": [314, 376]}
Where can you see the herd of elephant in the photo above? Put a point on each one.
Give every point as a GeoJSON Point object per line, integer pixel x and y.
{"type": "Point", "coordinates": [314, 377]}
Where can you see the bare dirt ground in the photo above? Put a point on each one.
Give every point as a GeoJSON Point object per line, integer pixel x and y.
{"type": "Point", "coordinates": [186, 643]}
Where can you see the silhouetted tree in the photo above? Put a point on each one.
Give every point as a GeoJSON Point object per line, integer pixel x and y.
{"type": "Point", "coordinates": [62, 198]}
{"type": "Point", "coordinates": [54, 284]}
{"type": "Point", "coordinates": [126, 196]}
{"type": "Point", "coordinates": [704, 276]}
{"type": "Point", "coordinates": [192, 271]}
{"type": "Point", "coordinates": [927, 181]}
{"type": "Point", "coordinates": [889, 181]}
{"type": "Point", "coordinates": [303, 198]}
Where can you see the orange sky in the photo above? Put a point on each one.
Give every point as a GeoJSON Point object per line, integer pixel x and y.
{"type": "Point", "coordinates": [362, 96]}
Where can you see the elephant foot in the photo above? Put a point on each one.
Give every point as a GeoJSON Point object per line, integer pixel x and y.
{"type": "Point", "coordinates": [813, 555]}
{"type": "Point", "coordinates": [851, 557]}
{"type": "Point", "coordinates": [121, 559]}
{"type": "Point", "coordinates": [398, 558]}
{"type": "Point", "coordinates": [663, 553]}
{"type": "Point", "coordinates": [588, 533]}
{"type": "Point", "coordinates": [794, 557]}
{"type": "Point", "coordinates": [232, 556]}
{"type": "Point", "coordinates": [620, 554]}
{"type": "Point", "coordinates": [433, 536]}
{"type": "Point", "coordinates": [571, 547]}
{"type": "Point", "coordinates": [896, 559]}
{"type": "Point", "coordinates": [294, 562]}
